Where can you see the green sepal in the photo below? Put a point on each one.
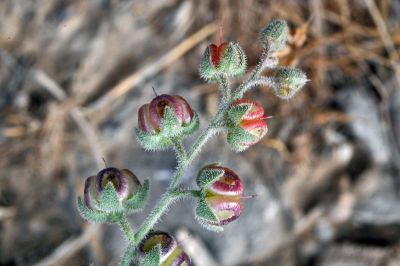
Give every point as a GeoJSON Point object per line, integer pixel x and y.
{"type": "Point", "coordinates": [206, 176]}
{"type": "Point", "coordinates": [153, 257]}
{"type": "Point", "coordinates": [206, 70]}
{"type": "Point", "coordinates": [109, 201]}
{"type": "Point", "coordinates": [205, 216]}
{"type": "Point", "coordinates": [235, 114]}
{"type": "Point", "coordinates": [137, 201]}
{"type": "Point", "coordinates": [236, 136]}
{"type": "Point", "coordinates": [193, 126]}
{"type": "Point", "coordinates": [129, 255]}
{"type": "Point", "coordinates": [234, 62]}
{"type": "Point", "coordinates": [170, 125]}
{"type": "Point", "coordinates": [152, 142]}
{"type": "Point", "coordinates": [93, 216]}
{"type": "Point", "coordinates": [204, 212]}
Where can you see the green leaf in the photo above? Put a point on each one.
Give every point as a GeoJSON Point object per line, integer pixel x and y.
{"type": "Point", "coordinates": [109, 201]}
{"type": "Point", "coordinates": [170, 125]}
{"type": "Point", "coordinates": [152, 258]}
{"type": "Point", "coordinates": [129, 255]}
{"type": "Point", "coordinates": [137, 201]}
{"type": "Point", "coordinates": [235, 114]}
{"type": "Point", "coordinates": [206, 176]}
{"type": "Point", "coordinates": [152, 142]}
{"type": "Point", "coordinates": [93, 216]}
{"type": "Point", "coordinates": [238, 138]}
{"type": "Point", "coordinates": [193, 126]}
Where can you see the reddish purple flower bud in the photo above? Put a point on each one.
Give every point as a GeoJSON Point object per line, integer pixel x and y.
{"type": "Point", "coordinates": [171, 254]}
{"type": "Point", "coordinates": [118, 180]}
{"type": "Point", "coordinates": [227, 59]}
{"type": "Point", "coordinates": [124, 181]}
{"type": "Point", "coordinates": [223, 195]}
{"type": "Point", "coordinates": [253, 123]}
{"type": "Point", "coordinates": [151, 115]}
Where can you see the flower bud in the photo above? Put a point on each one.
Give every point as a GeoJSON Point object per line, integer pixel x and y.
{"type": "Point", "coordinates": [274, 35]}
{"type": "Point", "coordinates": [165, 116]}
{"type": "Point", "coordinates": [222, 197]}
{"type": "Point", "coordinates": [169, 254]}
{"type": "Point", "coordinates": [288, 82]}
{"type": "Point", "coordinates": [227, 59]}
{"type": "Point", "coordinates": [246, 124]}
{"type": "Point", "coordinates": [124, 182]}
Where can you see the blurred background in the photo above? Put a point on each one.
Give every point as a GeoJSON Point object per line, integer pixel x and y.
{"type": "Point", "coordinates": [327, 175]}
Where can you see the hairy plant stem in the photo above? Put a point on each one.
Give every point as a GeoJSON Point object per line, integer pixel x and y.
{"type": "Point", "coordinates": [123, 222]}
{"type": "Point", "coordinates": [266, 61]}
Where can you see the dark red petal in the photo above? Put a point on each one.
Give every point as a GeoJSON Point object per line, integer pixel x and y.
{"type": "Point", "coordinates": [227, 209]}
{"type": "Point", "coordinates": [214, 55]}
{"type": "Point", "coordinates": [186, 109]}
{"type": "Point", "coordinates": [256, 127]}
{"type": "Point", "coordinates": [229, 184]}
{"type": "Point", "coordinates": [157, 108]}
{"type": "Point", "coordinates": [255, 112]}
{"type": "Point", "coordinates": [89, 192]}
{"type": "Point", "coordinates": [144, 120]}
{"type": "Point", "coordinates": [133, 181]}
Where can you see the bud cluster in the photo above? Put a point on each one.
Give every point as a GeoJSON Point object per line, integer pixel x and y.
{"type": "Point", "coordinates": [110, 193]}
{"type": "Point", "coordinates": [113, 194]}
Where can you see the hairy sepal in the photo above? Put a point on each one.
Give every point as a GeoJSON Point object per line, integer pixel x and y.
{"type": "Point", "coordinates": [153, 257]}
{"type": "Point", "coordinates": [236, 136]}
{"type": "Point", "coordinates": [206, 176]}
{"type": "Point", "coordinates": [170, 125]}
{"type": "Point", "coordinates": [193, 126]}
{"type": "Point", "coordinates": [109, 201]}
{"type": "Point", "coordinates": [137, 201]}
{"type": "Point", "coordinates": [206, 70]}
{"type": "Point", "coordinates": [152, 142]}
{"type": "Point", "coordinates": [236, 113]}
{"type": "Point", "coordinates": [91, 215]}
{"type": "Point", "coordinates": [234, 61]}
{"type": "Point", "coordinates": [205, 216]}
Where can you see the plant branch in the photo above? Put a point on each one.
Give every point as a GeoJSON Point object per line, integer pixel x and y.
{"type": "Point", "coordinates": [266, 81]}
{"type": "Point", "coordinates": [179, 149]}
{"type": "Point", "coordinates": [224, 88]}
{"type": "Point", "coordinates": [123, 222]}
{"type": "Point", "coordinates": [267, 61]}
